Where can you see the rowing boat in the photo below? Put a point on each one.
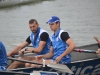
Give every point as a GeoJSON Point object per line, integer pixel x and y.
{"type": "Point", "coordinates": [82, 64]}
{"type": "Point", "coordinates": [6, 3]}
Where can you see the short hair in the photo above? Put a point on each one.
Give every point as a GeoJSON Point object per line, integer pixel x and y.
{"type": "Point", "coordinates": [32, 21]}
{"type": "Point", "coordinates": [57, 22]}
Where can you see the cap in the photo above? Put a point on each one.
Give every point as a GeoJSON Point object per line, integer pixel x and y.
{"type": "Point", "coordinates": [53, 19]}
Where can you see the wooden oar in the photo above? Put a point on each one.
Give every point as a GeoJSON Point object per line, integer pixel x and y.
{"type": "Point", "coordinates": [97, 41]}
{"type": "Point", "coordinates": [85, 51]}
{"type": "Point", "coordinates": [24, 52]}
{"type": "Point", "coordinates": [60, 67]}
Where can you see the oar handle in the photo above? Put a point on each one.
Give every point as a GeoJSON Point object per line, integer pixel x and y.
{"type": "Point", "coordinates": [24, 61]}
{"type": "Point", "coordinates": [24, 52]}
{"type": "Point", "coordinates": [85, 51]}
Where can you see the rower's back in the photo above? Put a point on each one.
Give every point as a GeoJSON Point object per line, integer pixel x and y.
{"type": "Point", "coordinates": [3, 57]}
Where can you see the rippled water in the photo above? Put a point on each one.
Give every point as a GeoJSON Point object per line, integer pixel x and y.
{"type": "Point", "coordinates": [81, 18]}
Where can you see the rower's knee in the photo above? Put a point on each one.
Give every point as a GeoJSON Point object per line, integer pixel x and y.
{"type": "Point", "coordinates": [33, 65]}
{"type": "Point", "coordinates": [36, 66]}
{"type": "Point", "coordinates": [27, 65]}
{"type": "Point", "coordinates": [17, 63]}
{"type": "Point", "coordinates": [14, 65]}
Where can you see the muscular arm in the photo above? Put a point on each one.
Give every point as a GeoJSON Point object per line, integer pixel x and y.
{"type": "Point", "coordinates": [18, 48]}
{"type": "Point", "coordinates": [43, 38]}
{"type": "Point", "coordinates": [50, 54]}
{"type": "Point", "coordinates": [69, 41]}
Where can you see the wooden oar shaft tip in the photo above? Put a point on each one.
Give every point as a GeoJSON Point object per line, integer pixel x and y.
{"type": "Point", "coordinates": [96, 39]}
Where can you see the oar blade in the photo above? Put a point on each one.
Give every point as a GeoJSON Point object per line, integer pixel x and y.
{"type": "Point", "coordinates": [60, 67]}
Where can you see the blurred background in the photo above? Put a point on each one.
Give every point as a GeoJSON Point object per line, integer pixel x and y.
{"type": "Point", "coordinates": [80, 18]}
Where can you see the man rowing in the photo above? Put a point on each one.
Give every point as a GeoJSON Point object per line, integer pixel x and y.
{"type": "Point", "coordinates": [40, 41]}
{"type": "Point", "coordinates": [62, 44]}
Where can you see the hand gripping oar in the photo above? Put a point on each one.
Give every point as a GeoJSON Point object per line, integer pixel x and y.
{"type": "Point", "coordinates": [85, 51]}
{"type": "Point", "coordinates": [60, 67]}
{"type": "Point", "coordinates": [25, 52]}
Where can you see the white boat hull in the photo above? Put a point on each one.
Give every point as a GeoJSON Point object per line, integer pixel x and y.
{"type": "Point", "coordinates": [12, 2]}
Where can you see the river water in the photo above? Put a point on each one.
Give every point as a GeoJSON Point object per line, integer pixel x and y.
{"type": "Point", "coordinates": [80, 18]}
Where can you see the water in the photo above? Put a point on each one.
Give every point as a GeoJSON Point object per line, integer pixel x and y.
{"type": "Point", "coordinates": [81, 18]}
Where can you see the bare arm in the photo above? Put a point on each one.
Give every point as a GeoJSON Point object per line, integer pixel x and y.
{"type": "Point", "coordinates": [18, 48]}
{"type": "Point", "coordinates": [44, 37]}
{"type": "Point", "coordinates": [50, 54]}
{"type": "Point", "coordinates": [39, 48]}
{"type": "Point", "coordinates": [70, 47]}
{"type": "Point", "coordinates": [65, 37]}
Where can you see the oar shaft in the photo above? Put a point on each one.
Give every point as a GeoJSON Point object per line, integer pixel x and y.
{"type": "Point", "coordinates": [25, 52]}
{"type": "Point", "coordinates": [28, 52]}
{"type": "Point", "coordinates": [24, 61]}
{"type": "Point", "coordinates": [85, 51]}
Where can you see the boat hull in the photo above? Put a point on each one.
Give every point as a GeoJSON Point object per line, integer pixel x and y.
{"type": "Point", "coordinates": [83, 67]}
{"type": "Point", "coordinates": [6, 3]}
{"type": "Point", "coordinates": [82, 64]}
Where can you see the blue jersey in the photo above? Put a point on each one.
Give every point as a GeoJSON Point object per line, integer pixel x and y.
{"type": "Point", "coordinates": [3, 56]}
{"type": "Point", "coordinates": [35, 39]}
{"type": "Point", "coordinates": [60, 46]}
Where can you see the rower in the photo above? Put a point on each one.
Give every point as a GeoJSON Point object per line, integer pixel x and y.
{"type": "Point", "coordinates": [40, 44]}
{"type": "Point", "coordinates": [3, 57]}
